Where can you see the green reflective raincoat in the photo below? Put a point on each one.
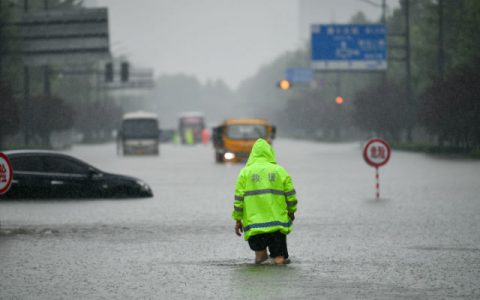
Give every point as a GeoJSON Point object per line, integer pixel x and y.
{"type": "Point", "coordinates": [264, 194]}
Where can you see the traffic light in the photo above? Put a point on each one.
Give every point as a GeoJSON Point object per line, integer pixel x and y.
{"type": "Point", "coordinates": [124, 71]}
{"type": "Point", "coordinates": [108, 72]}
{"type": "Point", "coordinates": [339, 100]}
{"type": "Point", "coordinates": [284, 84]}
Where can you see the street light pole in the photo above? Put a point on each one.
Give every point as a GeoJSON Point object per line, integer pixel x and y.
{"type": "Point", "coordinates": [408, 74]}
{"type": "Point", "coordinates": [1, 33]}
{"type": "Point", "coordinates": [384, 12]}
{"type": "Point", "coordinates": [383, 6]}
{"type": "Point", "coordinates": [441, 53]}
{"type": "Point", "coordinates": [384, 21]}
{"type": "Point", "coordinates": [26, 104]}
{"type": "Point", "coordinates": [46, 81]}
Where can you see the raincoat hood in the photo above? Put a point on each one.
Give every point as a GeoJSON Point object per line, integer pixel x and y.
{"type": "Point", "coordinates": [261, 151]}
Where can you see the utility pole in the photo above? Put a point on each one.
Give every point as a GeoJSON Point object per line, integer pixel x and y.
{"type": "Point", "coordinates": [46, 69]}
{"type": "Point", "coordinates": [384, 22]}
{"type": "Point", "coordinates": [441, 52]}
{"type": "Point", "coordinates": [1, 34]}
{"type": "Point", "coordinates": [408, 79]}
{"type": "Point", "coordinates": [26, 93]}
{"type": "Point", "coordinates": [46, 81]}
{"type": "Point", "coordinates": [338, 85]}
{"type": "Point", "coordinates": [26, 104]}
{"type": "Point", "coordinates": [384, 12]}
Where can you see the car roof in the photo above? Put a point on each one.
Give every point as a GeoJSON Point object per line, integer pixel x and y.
{"type": "Point", "coordinates": [191, 114]}
{"type": "Point", "coordinates": [246, 121]}
{"type": "Point", "coordinates": [33, 151]}
{"type": "Point", "coordinates": [140, 115]}
{"type": "Point", "coordinates": [30, 152]}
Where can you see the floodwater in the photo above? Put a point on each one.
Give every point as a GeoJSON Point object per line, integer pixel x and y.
{"type": "Point", "coordinates": [421, 240]}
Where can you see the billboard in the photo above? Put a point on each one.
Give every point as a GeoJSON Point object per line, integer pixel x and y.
{"type": "Point", "coordinates": [349, 47]}
{"type": "Point", "coordinates": [62, 36]}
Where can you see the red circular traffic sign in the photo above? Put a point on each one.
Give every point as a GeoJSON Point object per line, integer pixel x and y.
{"type": "Point", "coordinates": [6, 173]}
{"type": "Point", "coordinates": [376, 152]}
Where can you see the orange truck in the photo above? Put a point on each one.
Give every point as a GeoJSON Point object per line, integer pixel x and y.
{"type": "Point", "coordinates": [234, 138]}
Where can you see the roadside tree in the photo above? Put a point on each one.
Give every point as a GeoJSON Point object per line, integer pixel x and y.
{"type": "Point", "coordinates": [9, 121]}
{"type": "Point", "coordinates": [48, 114]}
{"type": "Point", "coordinates": [450, 108]}
{"type": "Point", "coordinates": [381, 109]}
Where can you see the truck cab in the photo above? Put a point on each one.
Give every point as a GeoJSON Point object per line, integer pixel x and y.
{"type": "Point", "coordinates": [234, 138]}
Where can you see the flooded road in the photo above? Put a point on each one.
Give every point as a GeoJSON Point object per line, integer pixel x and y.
{"type": "Point", "coordinates": [421, 240]}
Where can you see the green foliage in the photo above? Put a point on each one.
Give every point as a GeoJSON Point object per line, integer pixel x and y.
{"type": "Point", "coordinates": [445, 107]}
{"type": "Point", "coordinates": [97, 119]}
{"type": "Point", "coordinates": [44, 114]}
{"type": "Point", "coordinates": [317, 116]}
{"type": "Point", "coordinates": [359, 18]}
{"type": "Point", "coordinates": [463, 34]}
{"type": "Point", "coordinates": [10, 65]}
{"type": "Point", "coordinates": [461, 20]}
{"type": "Point", "coordinates": [48, 114]}
{"type": "Point", "coordinates": [451, 108]}
{"type": "Point", "coordinates": [381, 109]}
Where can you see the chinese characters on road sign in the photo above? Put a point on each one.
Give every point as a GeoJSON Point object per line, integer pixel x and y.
{"type": "Point", "coordinates": [376, 152]}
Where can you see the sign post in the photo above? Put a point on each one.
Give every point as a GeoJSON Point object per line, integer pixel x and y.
{"type": "Point", "coordinates": [376, 153]}
{"type": "Point", "coordinates": [6, 174]}
{"type": "Point", "coordinates": [59, 37]}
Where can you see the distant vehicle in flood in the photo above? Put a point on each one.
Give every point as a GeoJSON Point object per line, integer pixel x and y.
{"type": "Point", "coordinates": [139, 134]}
{"type": "Point", "coordinates": [190, 127]}
{"type": "Point", "coordinates": [167, 135]}
{"type": "Point", "coordinates": [48, 174]}
{"type": "Point", "coordinates": [234, 138]}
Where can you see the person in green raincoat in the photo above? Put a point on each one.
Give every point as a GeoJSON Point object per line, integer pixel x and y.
{"type": "Point", "coordinates": [265, 204]}
{"type": "Point", "coordinates": [189, 138]}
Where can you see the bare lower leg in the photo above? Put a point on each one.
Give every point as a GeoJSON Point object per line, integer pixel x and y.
{"type": "Point", "coordinates": [260, 256]}
{"type": "Point", "coordinates": [279, 260]}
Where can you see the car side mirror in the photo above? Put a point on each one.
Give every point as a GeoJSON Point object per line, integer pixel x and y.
{"type": "Point", "coordinates": [217, 136]}
{"type": "Point", "coordinates": [94, 174]}
{"type": "Point", "coordinates": [274, 132]}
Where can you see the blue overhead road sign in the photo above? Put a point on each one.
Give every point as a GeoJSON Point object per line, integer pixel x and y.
{"type": "Point", "coordinates": [349, 47]}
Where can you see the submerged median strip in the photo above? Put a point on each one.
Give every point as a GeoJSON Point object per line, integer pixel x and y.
{"type": "Point", "coordinates": [453, 151]}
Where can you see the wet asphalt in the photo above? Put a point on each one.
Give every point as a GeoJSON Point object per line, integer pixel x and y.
{"type": "Point", "coordinates": [421, 240]}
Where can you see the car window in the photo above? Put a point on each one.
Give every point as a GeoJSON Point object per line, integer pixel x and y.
{"type": "Point", "coordinates": [27, 163]}
{"type": "Point", "coordinates": [246, 131]}
{"type": "Point", "coordinates": [64, 165]}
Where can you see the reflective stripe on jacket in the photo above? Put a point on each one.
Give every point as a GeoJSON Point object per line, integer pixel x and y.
{"type": "Point", "coordinates": [264, 194]}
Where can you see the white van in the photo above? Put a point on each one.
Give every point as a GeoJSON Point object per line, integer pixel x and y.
{"type": "Point", "coordinates": [139, 134]}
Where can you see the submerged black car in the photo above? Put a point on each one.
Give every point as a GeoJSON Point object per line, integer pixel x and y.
{"type": "Point", "coordinates": [47, 174]}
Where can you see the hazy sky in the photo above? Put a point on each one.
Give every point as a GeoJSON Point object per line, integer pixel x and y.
{"type": "Point", "coordinates": [212, 39]}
